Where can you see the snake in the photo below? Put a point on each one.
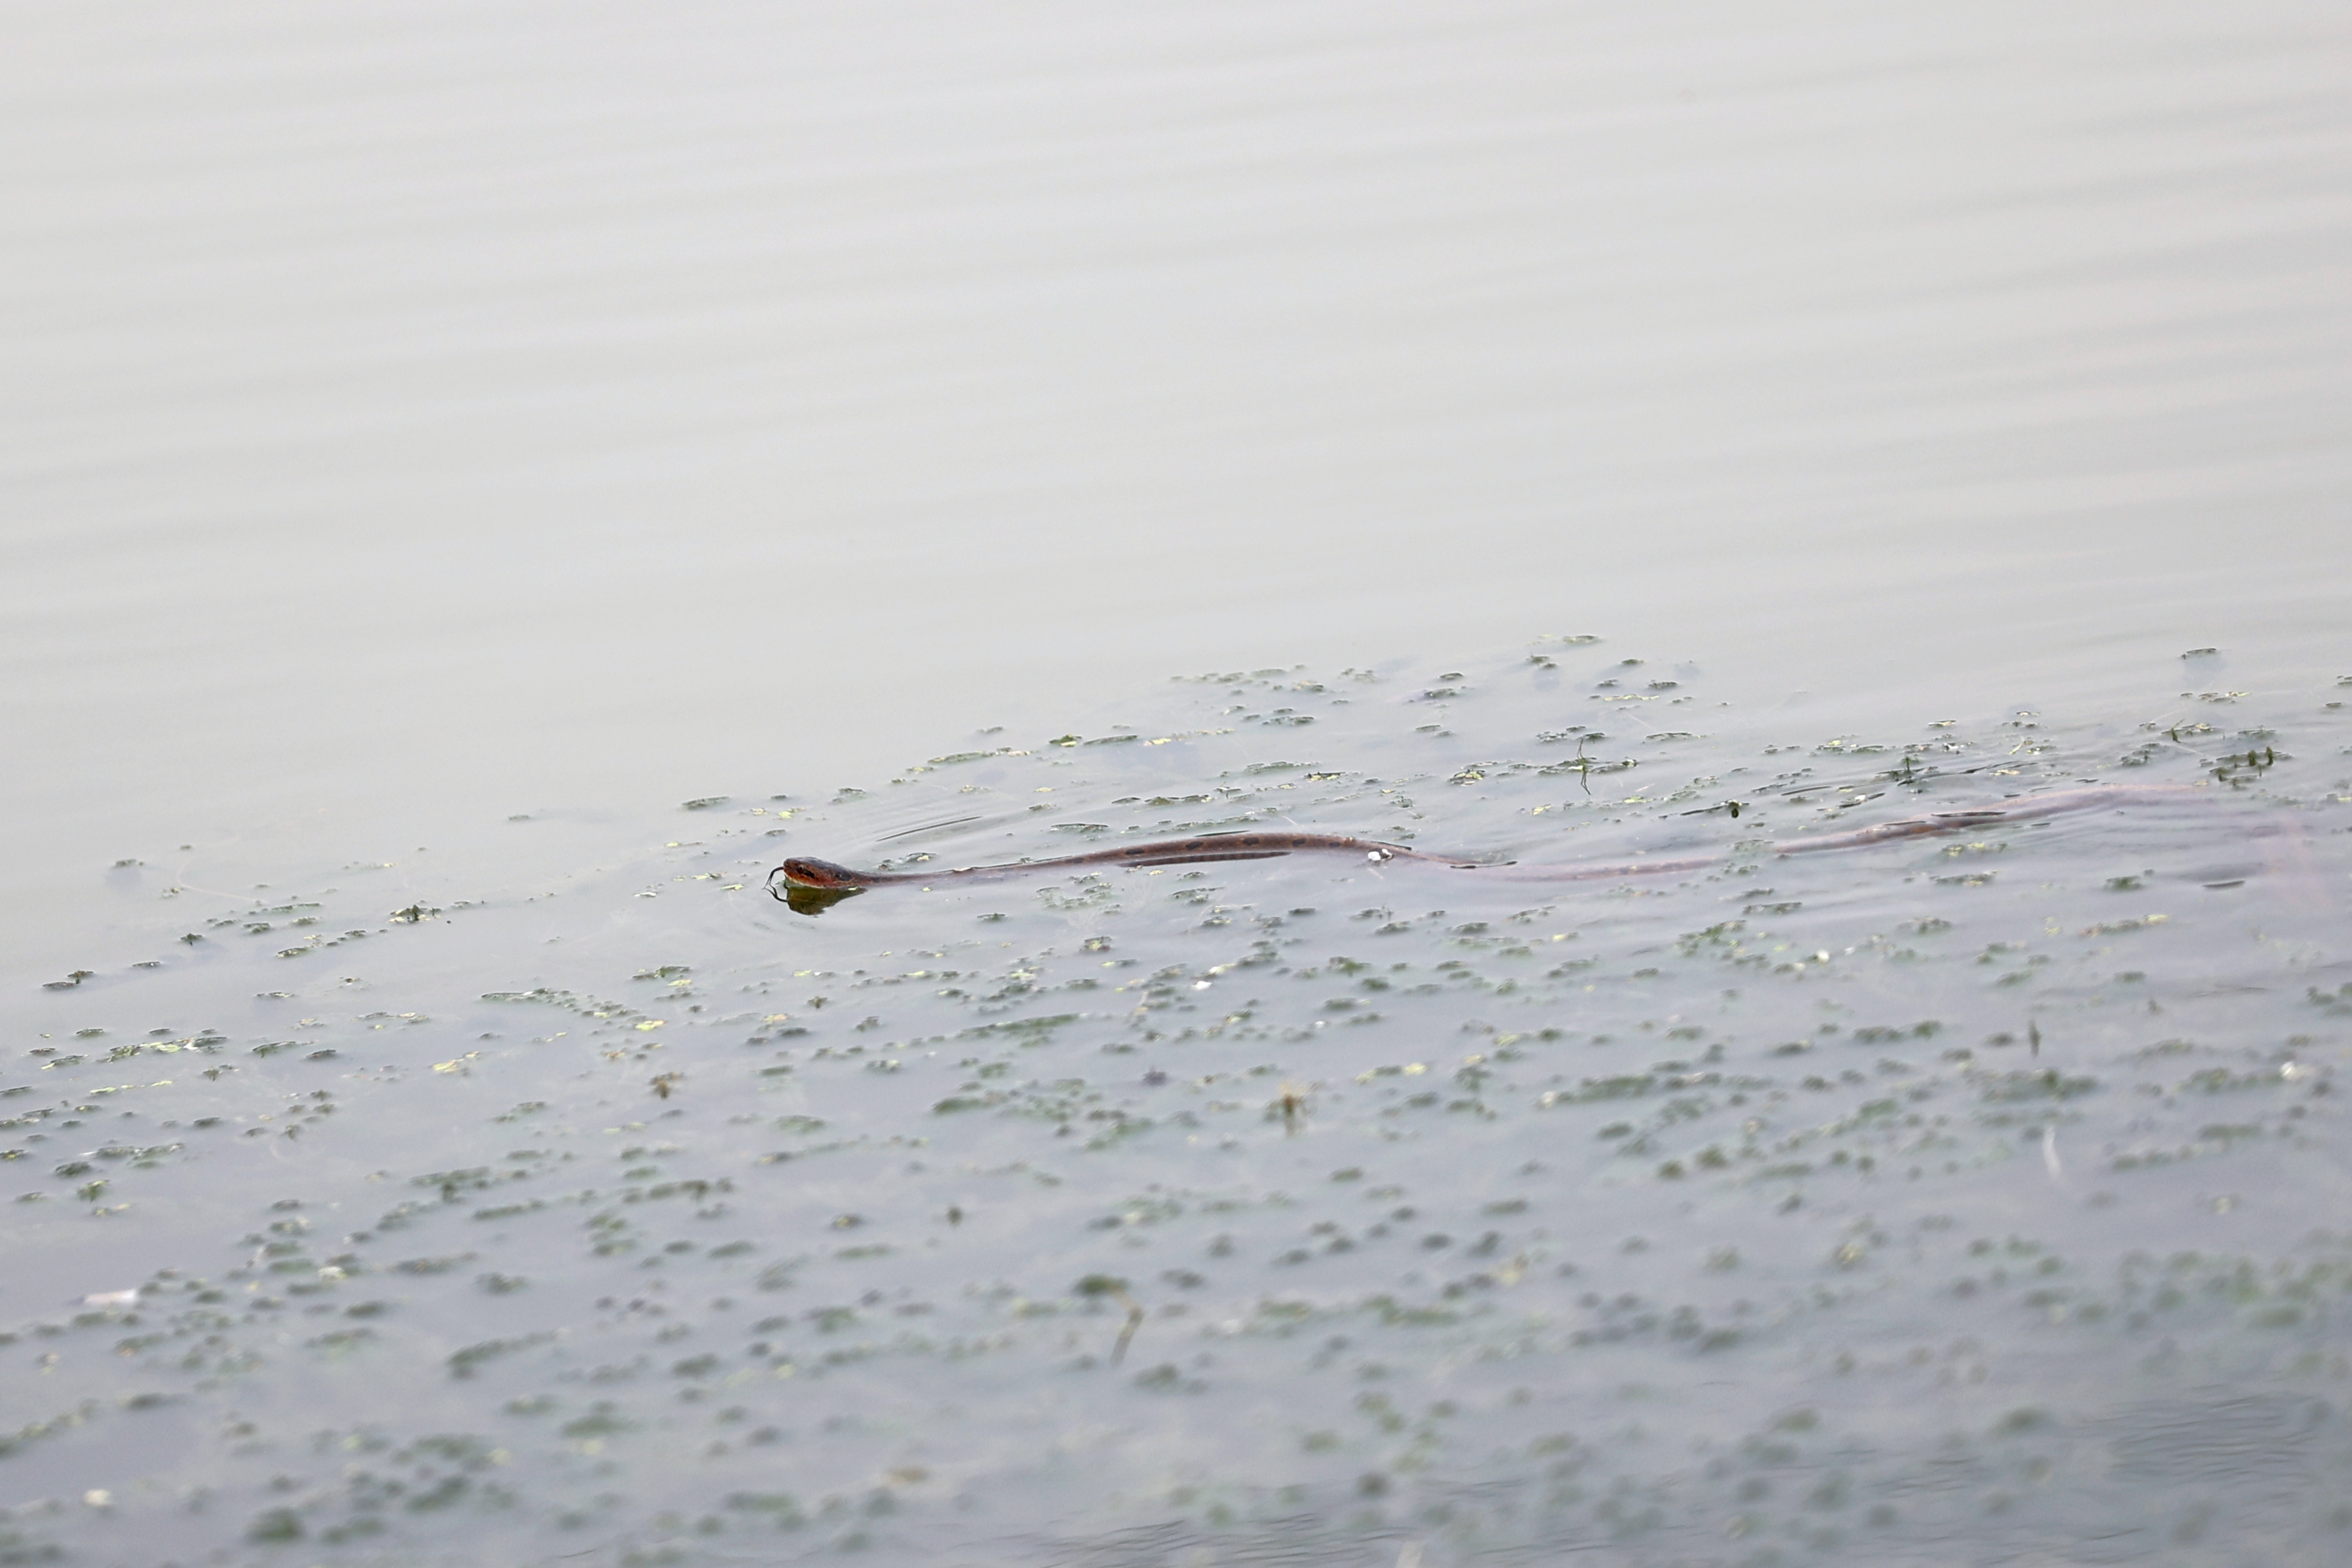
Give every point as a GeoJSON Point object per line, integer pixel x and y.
{"type": "Point", "coordinates": [808, 881]}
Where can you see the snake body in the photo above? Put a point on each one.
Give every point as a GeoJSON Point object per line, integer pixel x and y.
{"type": "Point", "coordinates": [825, 878]}
{"type": "Point", "coordinates": [802, 873]}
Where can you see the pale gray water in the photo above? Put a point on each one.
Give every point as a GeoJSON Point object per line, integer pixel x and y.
{"type": "Point", "coordinates": [424, 418]}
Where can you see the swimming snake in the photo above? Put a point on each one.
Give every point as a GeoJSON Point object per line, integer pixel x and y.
{"type": "Point", "coordinates": [811, 884]}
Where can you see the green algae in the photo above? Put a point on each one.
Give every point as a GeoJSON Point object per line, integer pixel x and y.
{"type": "Point", "coordinates": [1799, 1208]}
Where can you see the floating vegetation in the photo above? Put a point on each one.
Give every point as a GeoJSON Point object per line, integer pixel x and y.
{"type": "Point", "coordinates": [1795, 1209]}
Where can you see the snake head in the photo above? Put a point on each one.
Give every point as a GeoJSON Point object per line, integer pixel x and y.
{"type": "Point", "coordinates": [813, 887]}
{"type": "Point", "coordinates": [803, 872]}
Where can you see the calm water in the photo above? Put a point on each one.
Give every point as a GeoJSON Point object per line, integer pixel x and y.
{"type": "Point", "coordinates": [487, 483]}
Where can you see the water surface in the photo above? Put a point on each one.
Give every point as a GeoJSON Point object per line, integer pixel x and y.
{"type": "Point", "coordinates": [488, 482]}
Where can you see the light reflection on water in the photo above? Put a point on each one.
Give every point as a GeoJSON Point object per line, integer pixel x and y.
{"type": "Point", "coordinates": [422, 416]}
{"type": "Point", "coordinates": [1951, 1199]}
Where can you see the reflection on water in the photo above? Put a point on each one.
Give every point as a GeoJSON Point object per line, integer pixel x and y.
{"type": "Point", "coordinates": [1958, 1198]}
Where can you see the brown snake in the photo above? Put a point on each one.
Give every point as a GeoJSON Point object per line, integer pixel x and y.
{"type": "Point", "coordinates": [820, 882]}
